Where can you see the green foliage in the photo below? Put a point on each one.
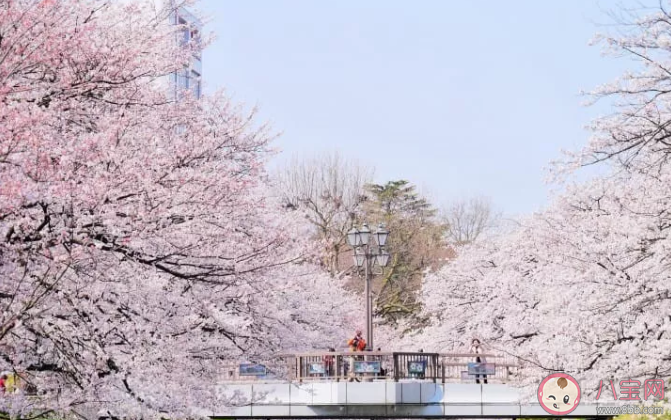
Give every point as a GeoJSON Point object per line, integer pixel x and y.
{"type": "Point", "coordinates": [399, 199]}
{"type": "Point", "coordinates": [415, 244]}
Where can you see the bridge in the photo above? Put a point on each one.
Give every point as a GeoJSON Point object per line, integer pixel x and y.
{"type": "Point", "coordinates": [382, 385]}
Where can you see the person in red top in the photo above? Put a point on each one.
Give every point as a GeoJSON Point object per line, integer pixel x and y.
{"type": "Point", "coordinates": [357, 343]}
{"type": "Point", "coordinates": [328, 363]}
{"type": "Point", "coordinates": [3, 378]}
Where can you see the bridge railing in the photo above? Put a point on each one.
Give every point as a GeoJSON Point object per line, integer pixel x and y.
{"type": "Point", "coordinates": [339, 366]}
{"type": "Point", "coordinates": [417, 366]}
{"type": "Point", "coordinates": [375, 365]}
{"type": "Point", "coordinates": [461, 367]}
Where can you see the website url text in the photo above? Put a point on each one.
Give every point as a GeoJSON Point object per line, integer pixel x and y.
{"type": "Point", "coordinates": [628, 409]}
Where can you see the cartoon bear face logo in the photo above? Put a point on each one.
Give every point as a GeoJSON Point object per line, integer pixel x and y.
{"type": "Point", "coordinates": [559, 394]}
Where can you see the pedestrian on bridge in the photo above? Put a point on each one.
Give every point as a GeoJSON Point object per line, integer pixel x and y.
{"type": "Point", "coordinates": [328, 363]}
{"type": "Point", "coordinates": [476, 349]}
{"type": "Point", "coordinates": [358, 343]}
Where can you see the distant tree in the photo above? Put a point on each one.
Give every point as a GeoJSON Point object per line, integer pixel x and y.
{"type": "Point", "coordinates": [467, 220]}
{"type": "Point", "coordinates": [329, 190]}
{"type": "Point", "coordinates": [416, 245]}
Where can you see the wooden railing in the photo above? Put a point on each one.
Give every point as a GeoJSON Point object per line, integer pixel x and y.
{"type": "Point", "coordinates": [374, 365]}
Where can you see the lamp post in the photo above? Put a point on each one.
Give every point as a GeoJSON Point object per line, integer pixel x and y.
{"type": "Point", "coordinates": [368, 251]}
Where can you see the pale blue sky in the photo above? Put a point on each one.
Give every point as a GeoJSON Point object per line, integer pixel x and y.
{"type": "Point", "coordinates": [463, 98]}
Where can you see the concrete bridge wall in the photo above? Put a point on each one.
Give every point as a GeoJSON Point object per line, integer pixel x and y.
{"type": "Point", "coordinates": [383, 399]}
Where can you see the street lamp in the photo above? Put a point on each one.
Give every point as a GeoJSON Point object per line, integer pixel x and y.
{"type": "Point", "coordinates": [367, 254]}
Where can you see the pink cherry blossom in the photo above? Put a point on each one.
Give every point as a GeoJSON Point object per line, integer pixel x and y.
{"type": "Point", "coordinates": [141, 251]}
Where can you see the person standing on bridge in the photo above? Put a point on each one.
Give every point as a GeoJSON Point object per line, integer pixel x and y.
{"type": "Point", "coordinates": [476, 349]}
{"type": "Point", "coordinates": [358, 343]}
{"type": "Point", "coordinates": [328, 363]}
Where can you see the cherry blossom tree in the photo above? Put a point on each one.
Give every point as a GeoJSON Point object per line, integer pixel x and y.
{"type": "Point", "coordinates": [583, 286]}
{"type": "Point", "coordinates": [140, 249]}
